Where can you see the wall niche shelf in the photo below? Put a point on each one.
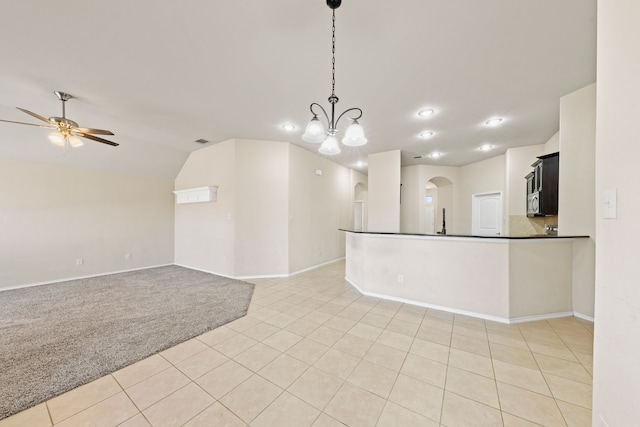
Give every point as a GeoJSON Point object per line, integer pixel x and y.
{"type": "Point", "coordinates": [196, 195]}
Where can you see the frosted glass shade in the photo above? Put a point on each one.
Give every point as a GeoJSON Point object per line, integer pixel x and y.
{"type": "Point", "coordinates": [330, 146]}
{"type": "Point", "coordinates": [354, 136]}
{"type": "Point", "coordinates": [56, 138]}
{"type": "Point", "coordinates": [75, 141]}
{"type": "Point", "coordinates": [314, 132]}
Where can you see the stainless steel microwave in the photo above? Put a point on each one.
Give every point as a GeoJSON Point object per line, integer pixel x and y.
{"type": "Point", "coordinates": [533, 203]}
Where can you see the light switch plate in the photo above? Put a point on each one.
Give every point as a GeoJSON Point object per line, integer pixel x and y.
{"type": "Point", "coordinates": [610, 204]}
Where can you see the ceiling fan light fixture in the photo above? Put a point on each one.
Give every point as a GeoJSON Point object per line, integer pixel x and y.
{"type": "Point", "coordinates": [57, 138]}
{"type": "Point", "coordinates": [74, 141]}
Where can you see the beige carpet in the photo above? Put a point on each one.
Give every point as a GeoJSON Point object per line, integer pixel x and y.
{"type": "Point", "coordinates": [56, 337]}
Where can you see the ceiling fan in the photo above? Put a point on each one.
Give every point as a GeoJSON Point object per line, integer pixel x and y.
{"type": "Point", "coordinates": [66, 132]}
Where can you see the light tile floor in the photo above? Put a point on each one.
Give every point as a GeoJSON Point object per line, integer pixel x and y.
{"type": "Point", "coordinates": [313, 351]}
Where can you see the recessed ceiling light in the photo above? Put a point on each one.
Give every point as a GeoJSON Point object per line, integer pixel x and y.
{"type": "Point", "coordinates": [426, 113]}
{"type": "Point", "coordinates": [435, 155]}
{"type": "Point", "coordinates": [360, 164]}
{"type": "Point", "coordinates": [486, 147]}
{"type": "Point", "coordinates": [427, 134]}
{"type": "Point", "coordinates": [288, 127]}
{"type": "Point", "coordinates": [493, 122]}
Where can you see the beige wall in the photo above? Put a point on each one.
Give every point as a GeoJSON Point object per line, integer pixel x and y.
{"type": "Point", "coordinates": [384, 191]}
{"type": "Point", "coordinates": [616, 383]}
{"type": "Point", "coordinates": [480, 177]}
{"type": "Point", "coordinates": [274, 216]}
{"type": "Point", "coordinates": [205, 232]}
{"type": "Point", "coordinates": [576, 207]}
{"type": "Point", "coordinates": [318, 206]}
{"type": "Point", "coordinates": [262, 208]}
{"type": "Point", "coordinates": [495, 282]}
{"type": "Point", "coordinates": [51, 215]}
{"type": "Point", "coordinates": [412, 206]}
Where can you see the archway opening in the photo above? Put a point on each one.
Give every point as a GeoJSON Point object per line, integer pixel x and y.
{"type": "Point", "coordinates": [438, 203]}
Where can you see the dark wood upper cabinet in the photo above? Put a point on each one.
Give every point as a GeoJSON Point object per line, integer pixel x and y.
{"type": "Point", "coordinates": [542, 186]}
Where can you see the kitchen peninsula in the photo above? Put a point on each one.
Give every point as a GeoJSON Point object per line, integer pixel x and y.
{"type": "Point", "coordinates": [504, 279]}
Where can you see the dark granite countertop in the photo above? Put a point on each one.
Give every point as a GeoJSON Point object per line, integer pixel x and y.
{"type": "Point", "coordinates": [444, 236]}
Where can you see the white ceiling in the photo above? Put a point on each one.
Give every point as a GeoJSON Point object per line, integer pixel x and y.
{"type": "Point", "coordinates": [161, 74]}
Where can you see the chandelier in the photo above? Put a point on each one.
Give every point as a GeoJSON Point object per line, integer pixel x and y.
{"type": "Point", "coordinates": [315, 131]}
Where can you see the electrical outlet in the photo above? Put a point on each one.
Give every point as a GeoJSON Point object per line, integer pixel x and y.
{"type": "Point", "coordinates": [400, 278]}
{"type": "Point", "coordinates": [127, 256]}
{"type": "Point", "coordinates": [79, 261]}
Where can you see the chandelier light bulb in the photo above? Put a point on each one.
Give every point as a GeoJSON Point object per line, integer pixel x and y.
{"type": "Point", "coordinates": [354, 136]}
{"type": "Point", "coordinates": [314, 132]}
{"type": "Point", "coordinates": [330, 146]}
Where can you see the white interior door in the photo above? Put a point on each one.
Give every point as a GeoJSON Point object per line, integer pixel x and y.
{"type": "Point", "coordinates": [358, 215]}
{"type": "Point", "coordinates": [487, 214]}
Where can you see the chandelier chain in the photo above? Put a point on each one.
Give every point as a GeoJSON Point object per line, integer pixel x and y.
{"type": "Point", "coordinates": [333, 56]}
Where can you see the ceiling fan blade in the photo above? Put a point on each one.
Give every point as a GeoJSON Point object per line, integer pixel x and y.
{"type": "Point", "coordinates": [30, 124]}
{"type": "Point", "coordinates": [94, 131]}
{"type": "Point", "coordinates": [96, 138]}
{"type": "Point", "coordinates": [37, 116]}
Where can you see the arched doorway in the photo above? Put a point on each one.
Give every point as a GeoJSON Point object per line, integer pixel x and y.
{"type": "Point", "coordinates": [438, 205]}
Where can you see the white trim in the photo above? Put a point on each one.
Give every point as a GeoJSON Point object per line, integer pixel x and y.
{"type": "Point", "coordinates": [541, 317]}
{"type": "Point", "coordinates": [264, 276]}
{"type": "Point", "coordinates": [584, 317]}
{"type": "Point", "coordinates": [464, 312]}
{"type": "Point", "coordinates": [316, 266]}
{"type": "Point", "coordinates": [205, 271]}
{"type": "Point", "coordinates": [435, 307]}
{"type": "Point", "coordinates": [196, 195]}
{"type": "Point", "coordinates": [29, 285]}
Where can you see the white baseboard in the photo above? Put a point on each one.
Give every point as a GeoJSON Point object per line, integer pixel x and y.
{"type": "Point", "coordinates": [426, 305]}
{"type": "Point", "coordinates": [68, 279]}
{"type": "Point", "coordinates": [584, 317]}
{"type": "Point", "coordinates": [263, 276]}
{"type": "Point", "coordinates": [464, 312]}
{"type": "Point", "coordinates": [541, 317]}
{"type": "Point", "coordinates": [316, 266]}
{"type": "Point", "coordinates": [205, 271]}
